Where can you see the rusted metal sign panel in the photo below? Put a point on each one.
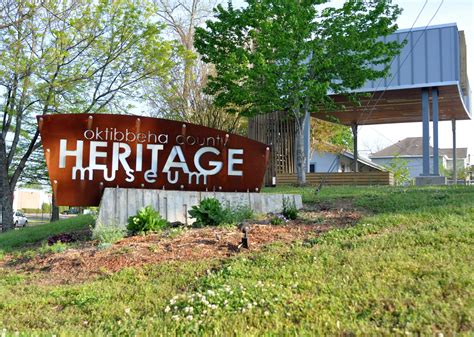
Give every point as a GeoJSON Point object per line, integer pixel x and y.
{"type": "Point", "coordinates": [86, 153]}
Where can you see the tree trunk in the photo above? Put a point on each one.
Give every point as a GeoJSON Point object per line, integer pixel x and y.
{"type": "Point", "coordinates": [300, 153]}
{"type": "Point", "coordinates": [6, 194]}
{"type": "Point", "coordinates": [7, 209]}
{"type": "Point", "coordinates": [54, 210]}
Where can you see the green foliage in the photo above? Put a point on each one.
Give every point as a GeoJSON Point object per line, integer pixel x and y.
{"type": "Point", "coordinates": [399, 168]}
{"type": "Point", "coordinates": [237, 215]}
{"type": "Point", "coordinates": [278, 219]}
{"type": "Point", "coordinates": [287, 55]}
{"type": "Point", "coordinates": [146, 220]}
{"type": "Point", "coordinates": [107, 234]}
{"type": "Point", "coordinates": [29, 236]}
{"type": "Point", "coordinates": [290, 211]}
{"type": "Point", "coordinates": [209, 212]}
{"type": "Point", "coordinates": [57, 247]}
{"type": "Point", "coordinates": [71, 57]}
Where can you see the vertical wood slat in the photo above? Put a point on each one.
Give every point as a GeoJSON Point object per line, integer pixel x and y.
{"type": "Point", "coordinates": [340, 178]}
{"type": "Point", "coordinates": [277, 130]}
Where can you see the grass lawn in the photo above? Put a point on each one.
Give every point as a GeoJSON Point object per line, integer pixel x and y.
{"type": "Point", "coordinates": [405, 269]}
{"type": "Point", "coordinates": [26, 237]}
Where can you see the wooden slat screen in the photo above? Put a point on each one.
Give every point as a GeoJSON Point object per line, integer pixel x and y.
{"type": "Point", "coordinates": [278, 131]}
{"type": "Point", "coordinates": [342, 178]}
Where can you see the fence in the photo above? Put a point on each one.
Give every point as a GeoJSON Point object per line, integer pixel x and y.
{"type": "Point", "coordinates": [342, 178]}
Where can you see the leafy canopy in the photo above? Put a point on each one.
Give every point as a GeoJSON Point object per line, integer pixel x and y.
{"type": "Point", "coordinates": [287, 54]}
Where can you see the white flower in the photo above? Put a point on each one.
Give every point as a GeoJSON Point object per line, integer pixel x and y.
{"type": "Point", "coordinates": [127, 310]}
{"type": "Point", "coordinates": [167, 309]}
{"type": "Point", "coordinates": [172, 301]}
{"type": "Point", "coordinates": [266, 313]}
{"type": "Point", "coordinates": [189, 317]}
{"type": "Point", "coordinates": [213, 307]}
{"type": "Point", "coordinates": [210, 292]}
{"type": "Point", "coordinates": [175, 317]}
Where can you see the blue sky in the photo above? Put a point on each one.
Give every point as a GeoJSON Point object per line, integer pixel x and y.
{"type": "Point", "coordinates": [461, 12]}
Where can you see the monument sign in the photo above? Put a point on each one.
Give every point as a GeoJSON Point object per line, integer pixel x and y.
{"type": "Point", "coordinates": [86, 153]}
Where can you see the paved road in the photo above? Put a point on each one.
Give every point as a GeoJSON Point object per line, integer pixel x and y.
{"type": "Point", "coordinates": [39, 219]}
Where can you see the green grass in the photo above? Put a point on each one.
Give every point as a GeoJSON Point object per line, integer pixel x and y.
{"type": "Point", "coordinates": [26, 237]}
{"type": "Point", "coordinates": [380, 199]}
{"type": "Point", "coordinates": [407, 269]}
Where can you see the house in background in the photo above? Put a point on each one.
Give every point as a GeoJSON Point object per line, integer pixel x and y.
{"type": "Point", "coordinates": [411, 150]}
{"type": "Point", "coordinates": [30, 198]}
{"type": "Point", "coordinates": [342, 161]}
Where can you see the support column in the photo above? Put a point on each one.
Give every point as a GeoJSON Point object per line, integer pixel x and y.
{"type": "Point", "coordinates": [455, 173]}
{"type": "Point", "coordinates": [307, 136]}
{"type": "Point", "coordinates": [434, 95]}
{"type": "Point", "coordinates": [356, 156]}
{"type": "Point", "coordinates": [425, 108]}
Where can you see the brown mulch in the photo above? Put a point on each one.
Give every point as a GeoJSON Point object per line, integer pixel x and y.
{"type": "Point", "coordinates": [88, 262]}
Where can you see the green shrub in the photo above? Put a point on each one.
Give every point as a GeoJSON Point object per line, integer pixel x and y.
{"type": "Point", "coordinates": [146, 220]}
{"type": "Point", "coordinates": [107, 234]}
{"type": "Point", "coordinates": [278, 219]}
{"type": "Point", "coordinates": [237, 215]}
{"type": "Point", "coordinates": [209, 212]}
{"type": "Point", "coordinates": [58, 247]}
{"type": "Point", "coordinates": [289, 209]}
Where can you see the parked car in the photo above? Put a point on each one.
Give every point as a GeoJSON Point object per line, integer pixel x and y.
{"type": "Point", "coordinates": [19, 219]}
{"type": "Point", "coordinates": [71, 211]}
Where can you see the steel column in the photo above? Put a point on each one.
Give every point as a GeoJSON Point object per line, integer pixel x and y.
{"type": "Point", "coordinates": [455, 173]}
{"type": "Point", "coordinates": [425, 108]}
{"type": "Point", "coordinates": [434, 96]}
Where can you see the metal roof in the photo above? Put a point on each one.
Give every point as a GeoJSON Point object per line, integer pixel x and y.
{"type": "Point", "coordinates": [433, 56]}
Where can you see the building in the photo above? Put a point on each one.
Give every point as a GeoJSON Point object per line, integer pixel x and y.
{"type": "Point", "coordinates": [411, 150]}
{"type": "Point", "coordinates": [427, 82]}
{"type": "Point", "coordinates": [343, 161]}
{"type": "Point", "coordinates": [30, 198]}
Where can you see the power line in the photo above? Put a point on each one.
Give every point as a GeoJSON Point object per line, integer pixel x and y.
{"type": "Point", "coordinates": [398, 70]}
{"type": "Point", "coordinates": [393, 59]}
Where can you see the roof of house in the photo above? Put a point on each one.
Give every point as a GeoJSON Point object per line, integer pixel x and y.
{"type": "Point", "coordinates": [461, 152]}
{"type": "Point", "coordinates": [413, 147]}
{"type": "Point", "coordinates": [364, 161]}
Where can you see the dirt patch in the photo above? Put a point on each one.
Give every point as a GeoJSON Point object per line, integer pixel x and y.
{"type": "Point", "coordinates": [87, 262]}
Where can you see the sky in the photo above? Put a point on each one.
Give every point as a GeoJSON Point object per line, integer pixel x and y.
{"type": "Point", "coordinates": [375, 137]}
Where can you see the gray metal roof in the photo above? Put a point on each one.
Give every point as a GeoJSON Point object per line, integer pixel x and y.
{"type": "Point", "coordinates": [432, 56]}
{"type": "Point", "coordinates": [413, 147]}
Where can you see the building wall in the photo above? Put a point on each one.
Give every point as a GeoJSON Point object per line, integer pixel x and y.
{"type": "Point", "coordinates": [414, 164]}
{"type": "Point", "coordinates": [30, 198]}
{"type": "Point", "coordinates": [460, 163]}
{"type": "Point", "coordinates": [324, 160]}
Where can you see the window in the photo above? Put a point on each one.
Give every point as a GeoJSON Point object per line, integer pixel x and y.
{"type": "Point", "coordinates": [312, 168]}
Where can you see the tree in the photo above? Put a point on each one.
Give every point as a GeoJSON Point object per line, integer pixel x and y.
{"type": "Point", "coordinates": [180, 96]}
{"type": "Point", "coordinates": [330, 137]}
{"type": "Point", "coordinates": [286, 55]}
{"type": "Point", "coordinates": [399, 168]}
{"type": "Point", "coordinates": [69, 56]}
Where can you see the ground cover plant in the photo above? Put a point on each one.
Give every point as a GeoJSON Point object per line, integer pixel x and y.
{"type": "Point", "coordinates": [405, 268]}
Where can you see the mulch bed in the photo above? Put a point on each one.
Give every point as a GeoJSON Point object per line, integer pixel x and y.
{"type": "Point", "coordinates": [87, 262]}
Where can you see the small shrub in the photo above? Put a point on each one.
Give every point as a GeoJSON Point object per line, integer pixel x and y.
{"type": "Point", "coordinates": [209, 212]}
{"type": "Point", "coordinates": [146, 220]}
{"type": "Point", "coordinates": [107, 234]}
{"type": "Point", "coordinates": [278, 219]}
{"type": "Point", "coordinates": [238, 215]}
{"type": "Point", "coordinates": [57, 247]}
{"type": "Point", "coordinates": [289, 209]}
